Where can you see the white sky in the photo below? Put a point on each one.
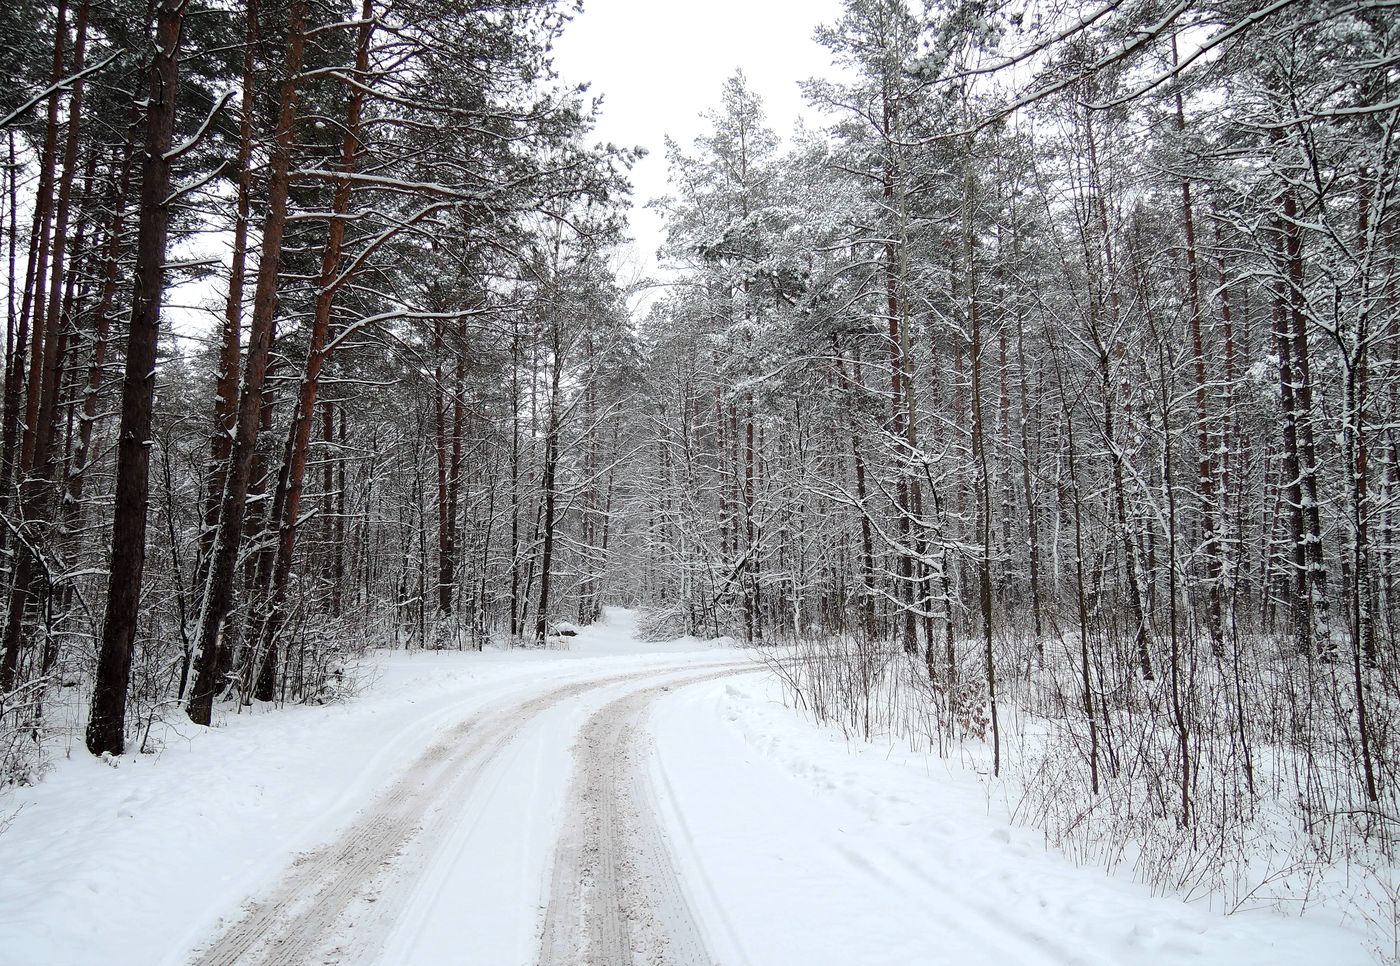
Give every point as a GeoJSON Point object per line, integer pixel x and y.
{"type": "Point", "coordinates": [660, 63]}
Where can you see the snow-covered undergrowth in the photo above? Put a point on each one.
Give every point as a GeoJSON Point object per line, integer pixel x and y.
{"type": "Point", "coordinates": [809, 846]}
{"type": "Point", "coordinates": [1264, 814]}
{"type": "Point", "coordinates": [44, 720]}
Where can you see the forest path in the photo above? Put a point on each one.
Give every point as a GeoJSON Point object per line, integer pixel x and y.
{"type": "Point", "coordinates": [392, 885]}
{"type": "Point", "coordinates": [615, 898]}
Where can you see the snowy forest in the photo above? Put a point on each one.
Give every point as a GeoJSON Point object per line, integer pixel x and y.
{"type": "Point", "coordinates": [1040, 394]}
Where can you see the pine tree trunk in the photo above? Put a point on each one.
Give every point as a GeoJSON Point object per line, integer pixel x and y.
{"type": "Point", "coordinates": [547, 481]}
{"type": "Point", "coordinates": [106, 730]}
{"type": "Point", "coordinates": [299, 443]}
{"type": "Point", "coordinates": [219, 584]}
{"type": "Point", "coordinates": [226, 385]}
{"type": "Point", "coordinates": [1210, 510]}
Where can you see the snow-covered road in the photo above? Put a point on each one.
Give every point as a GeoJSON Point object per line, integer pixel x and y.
{"type": "Point", "coordinates": [619, 803]}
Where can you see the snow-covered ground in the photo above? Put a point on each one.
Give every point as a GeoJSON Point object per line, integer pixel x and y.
{"type": "Point", "coordinates": [801, 847]}
{"type": "Point", "coordinates": [614, 800]}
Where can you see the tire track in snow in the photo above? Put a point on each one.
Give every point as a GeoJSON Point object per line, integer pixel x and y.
{"type": "Point", "coordinates": [615, 897]}
{"type": "Point", "coordinates": [297, 917]}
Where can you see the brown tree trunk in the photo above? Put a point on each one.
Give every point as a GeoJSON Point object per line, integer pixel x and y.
{"type": "Point", "coordinates": [1138, 601]}
{"type": "Point", "coordinates": [984, 497]}
{"type": "Point", "coordinates": [454, 466]}
{"type": "Point", "coordinates": [1080, 596]}
{"type": "Point", "coordinates": [338, 554]}
{"type": "Point", "coordinates": [516, 629]}
{"type": "Point", "coordinates": [102, 322]}
{"type": "Point", "coordinates": [1354, 432]}
{"type": "Point", "coordinates": [29, 337]}
{"type": "Point", "coordinates": [219, 584]}
{"type": "Point", "coordinates": [226, 385]}
{"type": "Point", "coordinates": [106, 730]}
{"type": "Point", "coordinates": [318, 350]}
{"type": "Point", "coordinates": [1206, 481]}
{"type": "Point", "coordinates": [11, 246]}
{"type": "Point", "coordinates": [37, 452]}
{"type": "Point", "coordinates": [547, 479]}
{"type": "Point", "coordinates": [855, 387]}
{"type": "Point", "coordinates": [900, 372]}
{"type": "Point", "coordinates": [588, 605]}
{"type": "Point", "coordinates": [446, 523]}
{"type": "Point", "coordinates": [1028, 481]}
{"type": "Point", "coordinates": [1316, 566]}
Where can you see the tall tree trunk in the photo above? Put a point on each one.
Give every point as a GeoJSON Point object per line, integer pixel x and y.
{"type": "Point", "coordinates": [1316, 563]}
{"type": "Point", "coordinates": [31, 580]}
{"type": "Point", "coordinates": [1206, 482]}
{"type": "Point", "coordinates": [219, 584]}
{"type": "Point", "coordinates": [547, 481]}
{"type": "Point", "coordinates": [446, 521]}
{"type": "Point", "coordinates": [106, 730]}
{"type": "Point", "coordinates": [855, 389]}
{"type": "Point", "coordinates": [1138, 600]}
{"type": "Point", "coordinates": [101, 328]}
{"type": "Point", "coordinates": [1028, 483]}
{"type": "Point", "coordinates": [1356, 443]}
{"type": "Point", "coordinates": [318, 350]}
{"type": "Point", "coordinates": [226, 384]}
{"type": "Point", "coordinates": [516, 629]}
{"type": "Point", "coordinates": [454, 466]}
{"type": "Point", "coordinates": [1291, 483]}
{"type": "Point", "coordinates": [984, 496]}
{"type": "Point", "coordinates": [338, 555]}
{"type": "Point", "coordinates": [29, 337]}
